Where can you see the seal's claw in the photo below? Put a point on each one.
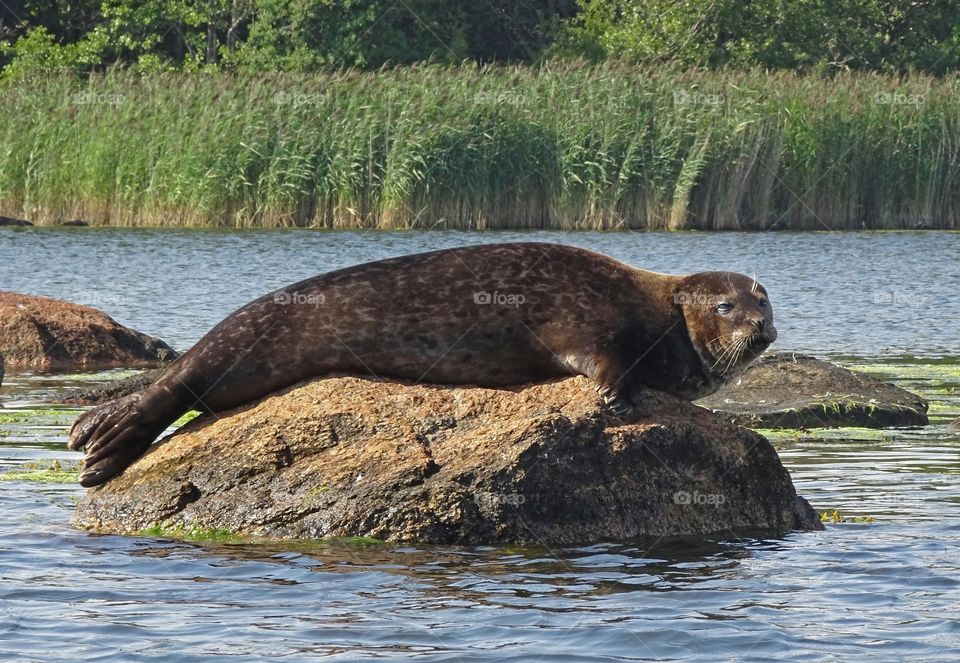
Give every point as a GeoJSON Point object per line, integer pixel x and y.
{"type": "Point", "coordinates": [113, 458]}
{"type": "Point", "coordinates": [615, 402]}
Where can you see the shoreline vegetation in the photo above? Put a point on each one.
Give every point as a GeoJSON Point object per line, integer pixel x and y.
{"type": "Point", "coordinates": [563, 145]}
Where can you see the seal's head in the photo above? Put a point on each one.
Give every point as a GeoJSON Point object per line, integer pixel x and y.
{"type": "Point", "coordinates": [729, 319]}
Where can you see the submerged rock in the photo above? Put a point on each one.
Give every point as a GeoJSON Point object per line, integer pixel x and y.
{"type": "Point", "coordinates": [37, 332]}
{"type": "Point", "coordinates": [103, 393]}
{"type": "Point", "coordinates": [10, 221]}
{"type": "Point", "coordinates": [544, 463]}
{"type": "Point", "coordinates": [786, 390]}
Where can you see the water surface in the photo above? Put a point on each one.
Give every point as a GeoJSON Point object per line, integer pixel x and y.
{"type": "Point", "coordinates": [885, 587]}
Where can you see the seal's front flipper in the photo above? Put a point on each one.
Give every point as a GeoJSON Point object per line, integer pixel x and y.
{"type": "Point", "coordinates": [616, 385]}
{"type": "Point", "coordinates": [616, 402]}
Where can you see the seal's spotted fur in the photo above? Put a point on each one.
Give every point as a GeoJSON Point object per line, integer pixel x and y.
{"type": "Point", "coordinates": [490, 315]}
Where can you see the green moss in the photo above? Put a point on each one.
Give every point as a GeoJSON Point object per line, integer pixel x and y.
{"type": "Point", "coordinates": [37, 415]}
{"type": "Point", "coordinates": [942, 408]}
{"type": "Point", "coordinates": [851, 432]}
{"type": "Point", "coordinates": [187, 418]}
{"type": "Point", "coordinates": [101, 375]}
{"type": "Point", "coordinates": [53, 472]}
{"type": "Point", "coordinates": [354, 540]}
{"type": "Point", "coordinates": [203, 535]}
{"type": "Point", "coordinates": [836, 517]}
{"type": "Point", "coordinates": [780, 433]}
{"type": "Point", "coordinates": [197, 534]}
{"type": "Point", "coordinates": [945, 372]}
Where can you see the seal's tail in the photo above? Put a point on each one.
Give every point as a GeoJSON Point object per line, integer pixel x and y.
{"type": "Point", "coordinates": [114, 435]}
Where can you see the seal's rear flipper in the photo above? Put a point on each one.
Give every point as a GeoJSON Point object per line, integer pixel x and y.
{"type": "Point", "coordinates": [114, 435]}
{"type": "Point", "coordinates": [87, 424]}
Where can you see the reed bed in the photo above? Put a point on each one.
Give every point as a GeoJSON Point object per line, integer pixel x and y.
{"type": "Point", "coordinates": [560, 146]}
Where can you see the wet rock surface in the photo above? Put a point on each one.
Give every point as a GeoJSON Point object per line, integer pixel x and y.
{"type": "Point", "coordinates": [42, 333]}
{"type": "Point", "coordinates": [786, 390]}
{"type": "Point", "coordinates": [545, 463]}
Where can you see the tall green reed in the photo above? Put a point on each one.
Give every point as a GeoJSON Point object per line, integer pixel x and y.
{"type": "Point", "coordinates": [564, 145]}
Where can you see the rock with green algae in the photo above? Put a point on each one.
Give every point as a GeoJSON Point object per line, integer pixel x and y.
{"type": "Point", "coordinates": [786, 390]}
{"type": "Point", "coordinates": [545, 463]}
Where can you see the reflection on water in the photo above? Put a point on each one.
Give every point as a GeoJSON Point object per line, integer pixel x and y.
{"type": "Point", "coordinates": [885, 588]}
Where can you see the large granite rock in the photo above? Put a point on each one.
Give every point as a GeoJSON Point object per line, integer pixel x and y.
{"type": "Point", "coordinates": [42, 333]}
{"type": "Point", "coordinates": [785, 390]}
{"type": "Point", "coordinates": [345, 456]}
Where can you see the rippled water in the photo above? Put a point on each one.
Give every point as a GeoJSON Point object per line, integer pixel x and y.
{"type": "Point", "coordinates": [856, 293]}
{"type": "Point", "coordinates": [886, 588]}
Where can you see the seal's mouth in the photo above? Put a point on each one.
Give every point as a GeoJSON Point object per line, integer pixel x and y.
{"type": "Point", "coordinates": [759, 341]}
{"type": "Point", "coordinates": [741, 350]}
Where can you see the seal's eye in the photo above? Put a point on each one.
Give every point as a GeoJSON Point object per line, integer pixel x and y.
{"type": "Point", "coordinates": [724, 307]}
{"type": "Point", "coordinates": [763, 303]}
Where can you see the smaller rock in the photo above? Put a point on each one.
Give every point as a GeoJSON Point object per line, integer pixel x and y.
{"type": "Point", "coordinates": [10, 221]}
{"type": "Point", "coordinates": [786, 390]}
{"type": "Point", "coordinates": [75, 223]}
{"type": "Point", "coordinates": [42, 333]}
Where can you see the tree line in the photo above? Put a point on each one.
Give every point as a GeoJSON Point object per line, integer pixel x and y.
{"type": "Point", "coordinates": [821, 36]}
